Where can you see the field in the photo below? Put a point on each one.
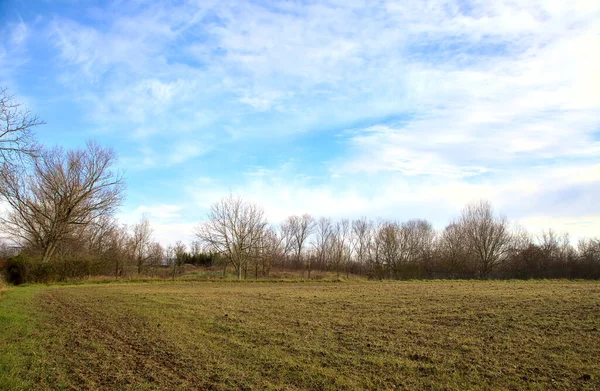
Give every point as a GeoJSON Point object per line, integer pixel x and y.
{"type": "Point", "coordinates": [298, 335]}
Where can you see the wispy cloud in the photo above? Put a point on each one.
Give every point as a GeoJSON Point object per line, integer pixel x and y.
{"type": "Point", "coordinates": [13, 42]}
{"type": "Point", "coordinates": [384, 107]}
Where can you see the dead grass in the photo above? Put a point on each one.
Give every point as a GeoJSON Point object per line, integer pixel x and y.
{"type": "Point", "coordinates": [359, 335]}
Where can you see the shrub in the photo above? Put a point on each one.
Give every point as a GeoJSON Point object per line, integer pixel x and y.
{"type": "Point", "coordinates": [17, 269]}
{"type": "Point", "coordinates": [22, 269]}
{"type": "Point", "coordinates": [41, 272]}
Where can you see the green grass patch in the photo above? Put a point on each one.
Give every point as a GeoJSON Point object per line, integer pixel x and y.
{"type": "Point", "coordinates": [24, 344]}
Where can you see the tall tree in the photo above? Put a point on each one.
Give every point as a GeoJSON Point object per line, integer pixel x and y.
{"type": "Point", "coordinates": [141, 243]}
{"type": "Point", "coordinates": [59, 193]}
{"type": "Point", "coordinates": [234, 230]}
{"type": "Point", "coordinates": [299, 229]}
{"type": "Point", "coordinates": [388, 247]}
{"type": "Point", "coordinates": [453, 251]}
{"type": "Point", "coordinates": [361, 239]}
{"type": "Point", "coordinates": [487, 235]}
{"type": "Point", "coordinates": [340, 244]}
{"type": "Point", "coordinates": [321, 241]}
{"type": "Point", "coordinates": [179, 259]}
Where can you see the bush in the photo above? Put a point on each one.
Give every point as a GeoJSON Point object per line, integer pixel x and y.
{"type": "Point", "coordinates": [41, 272]}
{"type": "Point", "coordinates": [22, 269]}
{"type": "Point", "coordinates": [17, 269]}
{"type": "Point", "coordinates": [69, 268]}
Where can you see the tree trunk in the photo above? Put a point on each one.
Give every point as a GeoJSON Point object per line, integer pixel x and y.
{"type": "Point", "coordinates": [48, 252]}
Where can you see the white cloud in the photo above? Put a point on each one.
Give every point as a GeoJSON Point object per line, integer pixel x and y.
{"type": "Point", "coordinates": [577, 228]}
{"type": "Point", "coordinates": [523, 199]}
{"type": "Point", "coordinates": [166, 222]}
{"type": "Point", "coordinates": [437, 103]}
{"type": "Point", "coordinates": [14, 38]}
{"type": "Point", "coordinates": [538, 104]}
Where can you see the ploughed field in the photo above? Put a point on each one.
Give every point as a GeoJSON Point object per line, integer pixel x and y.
{"type": "Point", "coordinates": [345, 335]}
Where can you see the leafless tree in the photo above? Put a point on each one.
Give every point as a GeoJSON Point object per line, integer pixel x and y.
{"type": "Point", "coordinates": [361, 236]}
{"type": "Point", "coordinates": [340, 244]}
{"type": "Point", "coordinates": [286, 239]}
{"type": "Point", "coordinates": [156, 254]}
{"type": "Point", "coordinates": [387, 245]}
{"type": "Point", "coordinates": [375, 261]}
{"type": "Point", "coordinates": [272, 248]}
{"type": "Point", "coordinates": [60, 193]}
{"type": "Point", "coordinates": [453, 251]}
{"type": "Point", "coordinates": [119, 241]}
{"type": "Point", "coordinates": [416, 246]}
{"type": "Point", "coordinates": [179, 260]}
{"type": "Point", "coordinates": [590, 248]}
{"type": "Point", "coordinates": [141, 243]}
{"type": "Point", "coordinates": [361, 241]}
{"type": "Point", "coordinates": [16, 125]}
{"type": "Point", "coordinates": [234, 229]}
{"type": "Point", "coordinates": [196, 248]}
{"type": "Point", "coordinates": [299, 229]}
{"type": "Point", "coordinates": [321, 241]}
{"type": "Point", "coordinates": [554, 245]}
{"type": "Point", "coordinates": [589, 257]}
{"type": "Point", "coordinates": [487, 235]}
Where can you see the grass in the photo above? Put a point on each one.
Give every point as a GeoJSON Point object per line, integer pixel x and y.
{"type": "Point", "coordinates": [3, 288]}
{"type": "Point", "coordinates": [356, 335]}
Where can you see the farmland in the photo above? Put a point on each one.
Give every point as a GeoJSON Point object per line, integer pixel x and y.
{"type": "Point", "coordinates": [298, 335]}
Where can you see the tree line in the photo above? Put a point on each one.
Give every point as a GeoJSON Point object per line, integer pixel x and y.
{"type": "Point", "coordinates": [477, 244]}
{"type": "Point", "coordinates": [61, 205]}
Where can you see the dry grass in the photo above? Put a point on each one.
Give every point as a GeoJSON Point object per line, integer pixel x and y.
{"type": "Point", "coordinates": [360, 335]}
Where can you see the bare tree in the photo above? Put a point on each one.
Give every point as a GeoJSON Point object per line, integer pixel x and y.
{"type": "Point", "coordinates": [322, 241]}
{"type": "Point", "coordinates": [141, 243]}
{"type": "Point", "coordinates": [361, 241]}
{"type": "Point", "coordinates": [555, 246]}
{"type": "Point", "coordinates": [61, 192]}
{"type": "Point", "coordinates": [375, 260]}
{"type": "Point", "coordinates": [487, 235]}
{"type": "Point", "coordinates": [299, 229]}
{"type": "Point", "coordinates": [286, 240]}
{"type": "Point", "coordinates": [16, 124]}
{"type": "Point", "coordinates": [416, 245]}
{"type": "Point", "coordinates": [156, 254]}
{"type": "Point", "coordinates": [196, 248]}
{"type": "Point", "coordinates": [340, 244]}
{"type": "Point", "coordinates": [589, 257]}
{"type": "Point", "coordinates": [274, 248]}
{"type": "Point", "coordinates": [387, 244]}
{"type": "Point", "coordinates": [179, 260]}
{"type": "Point", "coordinates": [453, 251]}
{"type": "Point", "coordinates": [234, 229]}
{"type": "Point", "coordinates": [119, 240]}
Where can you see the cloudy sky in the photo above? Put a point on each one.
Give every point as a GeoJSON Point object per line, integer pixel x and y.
{"type": "Point", "coordinates": [395, 109]}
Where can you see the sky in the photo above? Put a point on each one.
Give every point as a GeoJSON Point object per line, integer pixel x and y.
{"type": "Point", "coordinates": [385, 109]}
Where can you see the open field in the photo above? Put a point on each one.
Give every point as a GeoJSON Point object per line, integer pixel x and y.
{"type": "Point", "coordinates": [362, 335]}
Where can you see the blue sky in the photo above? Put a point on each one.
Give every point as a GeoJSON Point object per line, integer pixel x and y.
{"type": "Point", "coordinates": [338, 108]}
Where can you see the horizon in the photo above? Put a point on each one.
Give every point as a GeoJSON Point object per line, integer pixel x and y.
{"type": "Point", "coordinates": [338, 109]}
